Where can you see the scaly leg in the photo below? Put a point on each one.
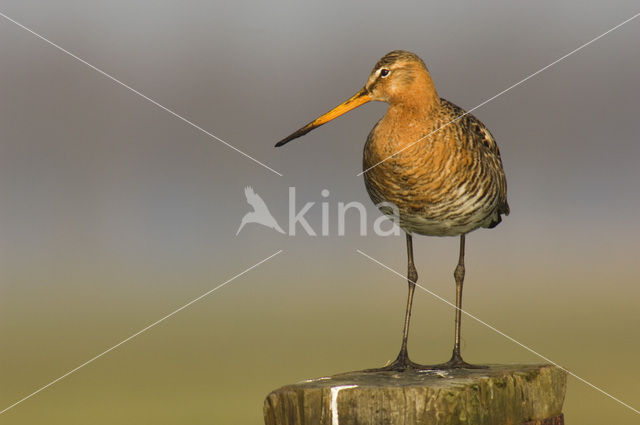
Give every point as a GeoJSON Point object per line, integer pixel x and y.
{"type": "Point", "coordinates": [456, 361]}
{"type": "Point", "coordinates": [402, 362]}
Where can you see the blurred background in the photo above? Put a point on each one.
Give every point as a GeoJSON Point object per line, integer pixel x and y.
{"type": "Point", "coordinates": [114, 213]}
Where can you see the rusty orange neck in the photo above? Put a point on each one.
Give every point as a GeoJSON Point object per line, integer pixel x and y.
{"type": "Point", "coordinates": [416, 95]}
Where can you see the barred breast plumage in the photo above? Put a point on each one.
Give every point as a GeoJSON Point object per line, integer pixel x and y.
{"type": "Point", "coordinates": [449, 183]}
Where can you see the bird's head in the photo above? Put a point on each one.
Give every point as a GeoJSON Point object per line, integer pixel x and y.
{"type": "Point", "coordinates": [400, 77]}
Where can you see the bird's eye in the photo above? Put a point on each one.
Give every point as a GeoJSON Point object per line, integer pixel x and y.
{"type": "Point", "coordinates": [384, 72]}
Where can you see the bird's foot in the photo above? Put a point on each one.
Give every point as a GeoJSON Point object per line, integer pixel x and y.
{"type": "Point", "coordinates": [402, 363]}
{"type": "Point", "coordinates": [456, 362]}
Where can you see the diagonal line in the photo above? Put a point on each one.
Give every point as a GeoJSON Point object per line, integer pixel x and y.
{"type": "Point", "coordinates": [501, 333]}
{"type": "Point", "coordinates": [503, 91]}
{"type": "Point", "coordinates": [139, 332]}
{"type": "Point", "coordinates": [197, 127]}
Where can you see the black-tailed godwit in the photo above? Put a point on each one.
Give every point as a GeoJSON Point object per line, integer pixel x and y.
{"type": "Point", "coordinates": [439, 165]}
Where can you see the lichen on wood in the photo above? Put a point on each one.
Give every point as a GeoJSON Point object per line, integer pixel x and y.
{"type": "Point", "coordinates": [502, 394]}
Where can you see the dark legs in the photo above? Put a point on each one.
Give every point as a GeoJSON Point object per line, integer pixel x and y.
{"type": "Point", "coordinates": [402, 362]}
{"type": "Point", "coordinates": [412, 277]}
{"type": "Point", "coordinates": [456, 359]}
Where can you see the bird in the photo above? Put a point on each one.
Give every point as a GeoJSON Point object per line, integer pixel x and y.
{"type": "Point", "coordinates": [260, 213]}
{"type": "Point", "coordinates": [438, 164]}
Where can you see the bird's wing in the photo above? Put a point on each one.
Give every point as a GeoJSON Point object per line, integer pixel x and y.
{"type": "Point", "coordinates": [482, 138]}
{"type": "Point", "coordinates": [248, 192]}
{"type": "Point", "coordinates": [477, 137]}
{"type": "Point", "coordinates": [254, 199]}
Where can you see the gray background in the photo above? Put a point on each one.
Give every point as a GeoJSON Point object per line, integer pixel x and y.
{"type": "Point", "coordinates": [113, 213]}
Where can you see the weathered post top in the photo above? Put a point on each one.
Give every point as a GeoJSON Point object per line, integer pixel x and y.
{"type": "Point", "coordinates": [500, 395]}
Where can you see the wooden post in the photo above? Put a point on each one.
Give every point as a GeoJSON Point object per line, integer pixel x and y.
{"type": "Point", "coordinates": [500, 395]}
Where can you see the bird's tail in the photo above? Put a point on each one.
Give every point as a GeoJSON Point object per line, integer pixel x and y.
{"type": "Point", "coordinates": [277, 227]}
{"type": "Point", "coordinates": [240, 228]}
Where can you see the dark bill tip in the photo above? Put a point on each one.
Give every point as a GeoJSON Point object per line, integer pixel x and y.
{"type": "Point", "coordinates": [304, 130]}
{"type": "Point", "coordinates": [354, 101]}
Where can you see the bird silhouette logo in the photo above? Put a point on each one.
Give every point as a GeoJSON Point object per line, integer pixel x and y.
{"type": "Point", "coordinates": [260, 213]}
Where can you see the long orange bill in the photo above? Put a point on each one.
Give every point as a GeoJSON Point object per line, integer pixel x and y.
{"type": "Point", "coordinates": [353, 102]}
